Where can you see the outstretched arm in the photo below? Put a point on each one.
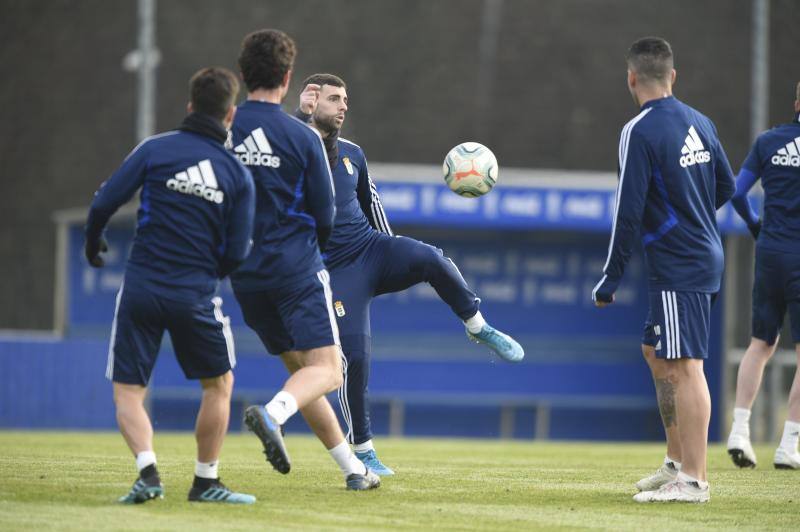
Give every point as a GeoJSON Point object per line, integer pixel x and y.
{"type": "Point", "coordinates": [319, 192]}
{"type": "Point", "coordinates": [238, 238]}
{"type": "Point", "coordinates": [112, 194]}
{"type": "Point", "coordinates": [634, 182]}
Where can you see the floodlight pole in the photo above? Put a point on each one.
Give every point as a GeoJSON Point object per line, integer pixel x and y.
{"type": "Point", "coordinates": [759, 81]}
{"type": "Point", "coordinates": [149, 58]}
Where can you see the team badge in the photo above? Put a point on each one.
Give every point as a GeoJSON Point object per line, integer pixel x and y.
{"type": "Point", "coordinates": [337, 305]}
{"type": "Point", "coordinates": [348, 165]}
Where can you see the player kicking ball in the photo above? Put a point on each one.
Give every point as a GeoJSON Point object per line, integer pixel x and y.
{"type": "Point", "coordinates": [673, 177]}
{"type": "Point", "coordinates": [366, 260]}
{"type": "Point", "coordinates": [775, 159]}
{"type": "Point", "coordinates": [194, 227]}
{"type": "Point", "coordinates": [283, 287]}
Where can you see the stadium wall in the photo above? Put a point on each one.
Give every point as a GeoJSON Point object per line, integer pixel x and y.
{"type": "Point", "coordinates": [545, 89]}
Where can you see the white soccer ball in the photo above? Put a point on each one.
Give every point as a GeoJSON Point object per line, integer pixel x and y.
{"type": "Point", "coordinates": [470, 169]}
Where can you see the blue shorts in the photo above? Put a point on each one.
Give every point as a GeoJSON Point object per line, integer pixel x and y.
{"type": "Point", "coordinates": [776, 290]}
{"type": "Point", "coordinates": [678, 324]}
{"type": "Point", "coordinates": [298, 317]}
{"type": "Point", "coordinates": [201, 336]}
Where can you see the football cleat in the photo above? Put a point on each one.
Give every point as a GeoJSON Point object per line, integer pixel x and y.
{"type": "Point", "coordinates": [219, 492]}
{"type": "Point", "coordinates": [370, 459]}
{"type": "Point", "coordinates": [664, 474]}
{"type": "Point", "coordinates": [785, 459]}
{"type": "Point", "coordinates": [144, 490]}
{"type": "Point", "coordinates": [676, 491]}
{"type": "Point", "coordinates": [367, 481]}
{"type": "Point", "coordinates": [502, 344]}
{"type": "Point", "coordinates": [262, 425]}
{"type": "Point", "coordinates": [741, 451]}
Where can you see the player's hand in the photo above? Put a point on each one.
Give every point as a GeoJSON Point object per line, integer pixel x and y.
{"type": "Point", "coordinates": [309, 98]}
{"type": "Point", "coordinates": [755, 229]}
{"type": "Point", "coordinates": [93, 249]}
{"type": "Point", "coordinates": [600, 303]}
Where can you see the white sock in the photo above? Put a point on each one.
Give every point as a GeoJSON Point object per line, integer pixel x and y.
{"type": "Point", "coordinates": [475, 323]}
{"type": "Point", "coordinates": [346, 460]}
{"type": "Point", "coordinates": [741, 422]}
{"type": "Point", "coordinates": [791, 433]}
{"type": "Point", "coordinates": [282, 407]}
{"type": "Point", "coordinates": [206, 469]}
{"type": "Point", "coordinates": [675, 463]}
{"type": "Point", "coordinates": [144, 459]}
{"type": "Point", "coordinates": [363, 447]}
{"type": "Point", "coordinates": [683, 477]}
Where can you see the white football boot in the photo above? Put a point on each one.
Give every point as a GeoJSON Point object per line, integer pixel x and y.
{"type": "Point", "coordinates": [664, 474]}
{"type": "Point", "coordinates": [676, 491]}
{"type": "Point", "coordinates": [785, 459]}
{"type": "Point", "coordinates": [741, 451]}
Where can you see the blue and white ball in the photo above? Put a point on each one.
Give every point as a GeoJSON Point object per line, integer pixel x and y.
{"type": "Point", "coordinates": [470, 169]}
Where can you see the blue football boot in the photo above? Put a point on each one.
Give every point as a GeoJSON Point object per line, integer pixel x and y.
{"type": "Point", "coordinates": [370, 459]}
{"type": "Point", "coordinates": [367, 481]}
{"type": "Point", "coordinates": [502, 344]}
{"type": "Point", "coordinates": [262, 425]}
{"type": "Point", "coordinates": [214, 490]}
{"type": "Point", "coordinates": [144, 490]}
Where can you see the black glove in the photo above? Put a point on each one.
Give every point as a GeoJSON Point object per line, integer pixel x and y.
{"type": "Point", "coordinates": [93, 249]}
{"type": "Point", "coordinates": [755, 229]}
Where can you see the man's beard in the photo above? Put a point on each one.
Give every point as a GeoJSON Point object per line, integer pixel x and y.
{"type": "Point", "coordinates": [326, 124]}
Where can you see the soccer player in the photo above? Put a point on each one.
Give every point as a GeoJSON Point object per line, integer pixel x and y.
{"type": "Point", "coordinates": [366, 260]}
{"type": "Point", "coordinates": [283, 286]}
{"type": "Point", "coordinates": [194, 226]}
{"type": "Point", "coordinates": [673, 176]}
{"type": "Point", "coordinates": [775, 158]}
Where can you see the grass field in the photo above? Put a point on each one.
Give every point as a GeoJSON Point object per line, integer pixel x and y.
{"type": "Point", "coordinates": [69, 481]}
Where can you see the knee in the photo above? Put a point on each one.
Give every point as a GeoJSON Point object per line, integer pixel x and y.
{"type": "Point", "coordinates": [428, 257]}
{"type": "Point", "coordinates": [221, 386]}
{"type": "Point", "coordinates": [356, 359]}
{"type": "Point", "coordinates": [761, 349]}
{"type": "Point", "coordinates": [337, 377]}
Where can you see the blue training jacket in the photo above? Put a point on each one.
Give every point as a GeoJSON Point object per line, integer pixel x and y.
{"type": "Point", "coordinates": [294, 196]}
{"type": "Point", "coordinates": [359, 213]}
{"type": "Point", "coordinates": [775, 158]}
{"type": "Point", "coordinates": [673, 176]}
{"type": "Point", "coordinates": [195, 216]}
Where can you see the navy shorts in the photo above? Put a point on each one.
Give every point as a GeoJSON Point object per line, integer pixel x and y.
{"type": "Point", "coordinates": [678, 324]}
{"type": "Point", "coordinates": [296, 317]}
{"type": "Point", "coordinates": [201, 336]}
{"type": "Point", "coordinates": [776, 290]}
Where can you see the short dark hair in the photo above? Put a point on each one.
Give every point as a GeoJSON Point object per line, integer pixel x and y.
{"type": "Point", "coordinates": [266, 57]}
{"type": "Point", "coordinates": [213, 91]}
{"type": "Point", "coordinates": [651, 59]}
{"type": "Point", "coordinates": [797, 91]}
{"type": "Point", "coordinates": [324, 79]}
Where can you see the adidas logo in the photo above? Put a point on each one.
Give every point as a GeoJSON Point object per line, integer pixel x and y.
{"type": "Point", "coordinates": [198, 180]}
{"type": "Point", "coordinates": [693, 150]}
{"type": "Point", "coordinates": [789, 155]}
{"type": "Point", "coordinates": [256, 151]}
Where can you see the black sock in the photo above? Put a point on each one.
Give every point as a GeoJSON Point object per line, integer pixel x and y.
{"type": "Point", "coordinates": [149, 473]}
{"type": "Point", "coordinates": [204, 483]}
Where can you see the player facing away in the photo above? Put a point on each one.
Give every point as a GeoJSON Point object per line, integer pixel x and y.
{"type": "Point", "coordinates": [775, 159]}
{"type": "Point", "coordinates": [673, 176]}
{"type": "Point", "coordinates": [194, 226]}
{"type": "Point", "coordinates": [283, 287]}
{"type": "Point", "coordinates": [366, 260]}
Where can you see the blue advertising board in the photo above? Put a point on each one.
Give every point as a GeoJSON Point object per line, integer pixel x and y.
{"type": "Point", "coordinates": [531, 254]}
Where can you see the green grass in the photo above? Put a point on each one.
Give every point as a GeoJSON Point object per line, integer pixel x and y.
{"type": "Point", "coordinates": [69, 481]}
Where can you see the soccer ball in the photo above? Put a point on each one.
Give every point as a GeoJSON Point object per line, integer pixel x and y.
{"type": "Point", "coordinates": [470, 169]}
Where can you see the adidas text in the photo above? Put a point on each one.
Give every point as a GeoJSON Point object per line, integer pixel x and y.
{"type": "Point", "coordinates": [196, 189]}
{"type": "Point", "coordinates": [695, 158]}
{"type": "Point", "coordinates": [786, 160]}
{"type": "Point", "coordinates": [259, 159]}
